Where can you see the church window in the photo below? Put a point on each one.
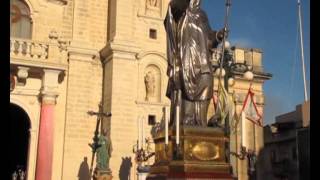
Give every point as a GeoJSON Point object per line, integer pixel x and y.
{"type": "Point", "coordinates": [20, 20]}
{"type": "Point", "coordinates": [151, 120]}
{"type": "Point", "coordinates": [153, 33]}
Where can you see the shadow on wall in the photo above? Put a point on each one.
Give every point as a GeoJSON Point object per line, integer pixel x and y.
{"type": "Point", "coordinates": [125, 168]}
{"type": "Point", "coordinates": [84, 172]}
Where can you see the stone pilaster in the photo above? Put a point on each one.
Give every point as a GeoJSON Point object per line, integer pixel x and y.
{"type": "Point", "coordinates": [45, 142]}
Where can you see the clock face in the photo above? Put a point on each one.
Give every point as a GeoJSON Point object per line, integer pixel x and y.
{"type": "Point", "coordinates": [16, 13]}
{"type": "Point", "coordinates": [12, 82]}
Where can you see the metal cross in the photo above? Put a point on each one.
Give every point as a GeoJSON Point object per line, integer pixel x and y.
{"type": "Point", "coordinates": [100, 113]}
{"type": "Point", "coordinates": [95, 145]}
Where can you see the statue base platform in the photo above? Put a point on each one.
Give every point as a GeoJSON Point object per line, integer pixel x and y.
{"type": "Point", "coordinates": [201, 154]}
{"type": "Point", "coordinates": [102, 175]}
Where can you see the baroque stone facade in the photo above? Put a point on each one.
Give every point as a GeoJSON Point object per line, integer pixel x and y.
{"type": "Point", "coordinates": [84, 52]}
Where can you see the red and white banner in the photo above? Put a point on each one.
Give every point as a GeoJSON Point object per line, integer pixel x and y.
{"type": "Point", "coordinates": [250, 109]}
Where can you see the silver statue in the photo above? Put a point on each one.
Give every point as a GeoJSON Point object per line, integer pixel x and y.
{"type": "Point", "coordinates": [189, 43]}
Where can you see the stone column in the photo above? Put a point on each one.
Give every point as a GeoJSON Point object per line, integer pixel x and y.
{"type": "Point", "coordinates": [46, 128]}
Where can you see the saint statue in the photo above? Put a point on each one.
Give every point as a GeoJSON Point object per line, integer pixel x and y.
{"type": "Point", "coordinates": [189, 43]}
{"type": "Point", "coordinates": [104, 152]}
{"type": "Point", "coordinates": [149, 81]}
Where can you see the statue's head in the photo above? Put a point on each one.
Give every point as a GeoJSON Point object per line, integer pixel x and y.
{"type": "Point", "coordinates": [195, 4]}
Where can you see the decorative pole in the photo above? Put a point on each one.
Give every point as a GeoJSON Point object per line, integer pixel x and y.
{"type": "Point", "coordinates": [302, 53]}
{"type": "Point", "coordinates": [143, 135]}
{"type": "Point", "coordinates": [177, 125]}
{"type": "Point", "coordinates": [95, 145]}
{"type": "Point", "coordinates": [225, 29]}
{"type": "Point", "coordinates": [166, 116]}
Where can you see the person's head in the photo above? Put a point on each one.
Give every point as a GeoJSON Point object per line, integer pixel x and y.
{"type": "Point", "coordinates": [195, 4]}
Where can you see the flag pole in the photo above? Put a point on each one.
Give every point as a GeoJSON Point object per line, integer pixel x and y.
{"type": "Point", "coordinates": [302, 53]}
{"type": "Point", "coordinates": [254, 137]}
{"type": "Point", "coordinates": [228, 4]}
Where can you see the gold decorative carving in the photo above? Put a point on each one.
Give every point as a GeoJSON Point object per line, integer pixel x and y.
{"type": "Point", "coordinates": [202, 151]}
{"type": "Point", "coordinates": [206, 151]}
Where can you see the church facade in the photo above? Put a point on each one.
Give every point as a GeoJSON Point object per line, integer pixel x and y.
{"type": "Point", "coordinates": [68, 56]}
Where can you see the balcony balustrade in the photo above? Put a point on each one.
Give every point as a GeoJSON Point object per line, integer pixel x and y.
{"type": "Point", "coordinates": [23, 48]}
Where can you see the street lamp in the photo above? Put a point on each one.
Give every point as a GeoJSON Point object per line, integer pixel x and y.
{"type": "Point", "coordinates": [143, 154]}
{"type": "Point", "coordinates": [230, 67]}
{"type": "Point", "coordinates": [228, 70]}
{"type": "Point", "coordinates": [252, 159]}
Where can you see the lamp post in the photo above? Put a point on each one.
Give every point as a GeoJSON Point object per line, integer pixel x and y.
{"type": "Point", "coordinates": [229, 69]}
{"type": "Point", "coordinates": [252, 159]}
{"type": "Point", "coordinates": [143, 154]}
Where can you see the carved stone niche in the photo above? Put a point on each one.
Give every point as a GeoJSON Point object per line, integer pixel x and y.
{"type": "Point", "coordinates": [152, 83]}
{"type": "Point", "coordinates": [153, 3]}
{"type": "Point", "coordinates": [153, 7]}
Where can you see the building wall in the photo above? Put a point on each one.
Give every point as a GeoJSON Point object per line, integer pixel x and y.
{"type": "Point", "coordinates": [83, 94]}
{"type": "Point", "coordinates": [81, 26]}
{"type": "Point", "coordinates": [27, 98]}
{"type": "Point", "coordinates": [95, 69]}
{"type": "Point", "coordinates": [285, 152]}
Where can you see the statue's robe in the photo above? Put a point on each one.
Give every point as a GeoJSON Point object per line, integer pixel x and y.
{"type": "Point", "coordinates": [189, 39]}
{"type": "Point", "coordinates": [195, 56]}
{"type": "Point", "coordinates": [103, 153]}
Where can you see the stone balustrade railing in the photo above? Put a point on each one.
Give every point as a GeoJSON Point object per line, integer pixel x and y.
{"type": "Point", "coordinates": [23, 48]}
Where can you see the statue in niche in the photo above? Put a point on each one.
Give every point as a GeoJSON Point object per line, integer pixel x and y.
{"type": "Point", "coordinates": [150, 81]}
{"type": "Point", "coordinates": [153, 3]}
{"type": "Point", "coordinates": [190, 40]}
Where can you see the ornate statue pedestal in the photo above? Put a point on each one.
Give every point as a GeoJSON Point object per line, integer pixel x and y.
{"type": "Point", "coordinates": [200, 155]}
{"type": "Point", "coordinates": [102, 175]}
{"type": "Point", "coordinates": [142, 172]}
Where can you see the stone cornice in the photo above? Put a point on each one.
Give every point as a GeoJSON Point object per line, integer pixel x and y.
{"type": "Point", "coordinates": [146, 53]}
{"type": "Point", "coordinates": [59, 2]}
{"type": "Point", "coordinates": [80, 53]}
{"type": "Point", "coordinates": [24, 91]}
{"type": "Point", "coordinates": [139, 102]}
{"type": "Point", "coordinates": [119, 49]}
{"type": "Point", "coordinates": [39, 64]}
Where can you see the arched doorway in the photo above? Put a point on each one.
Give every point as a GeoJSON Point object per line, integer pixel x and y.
{"type": "Point", "coordinates": [19, 140]}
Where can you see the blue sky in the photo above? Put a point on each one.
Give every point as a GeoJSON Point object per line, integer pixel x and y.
{"type": "Point", "coordinates": [271, 25]}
